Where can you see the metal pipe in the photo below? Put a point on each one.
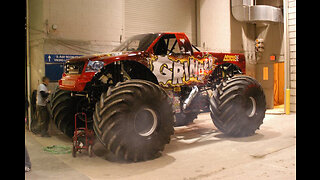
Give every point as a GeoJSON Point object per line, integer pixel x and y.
{"type": "Point", "coordinates": [245, 11]}
{"type": "Point", "coordinates": [191, 96]}
{"type": "Point", "coordinates": [28, 62]}
{"type": "Point", "coordinates": [286, 58]}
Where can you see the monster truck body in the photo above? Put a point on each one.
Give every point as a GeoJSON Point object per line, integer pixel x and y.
{"type": "Point", "coordinates": [179, 68]}
{"type": "Point", "coordinates": [148, 79]}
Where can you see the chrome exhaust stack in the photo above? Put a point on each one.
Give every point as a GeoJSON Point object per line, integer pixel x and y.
{"type": "Point", "coordinates": [191, 96]}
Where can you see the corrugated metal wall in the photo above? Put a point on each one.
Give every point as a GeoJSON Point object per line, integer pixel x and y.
{"type": "Point", "coordinates": [292, 52]}
{"type": "Point", "coordinates": [90, 20]}
{"type": "Point", "coordinates": [143, 16]}
{"type": "Point", "coordinates": [95, 26]}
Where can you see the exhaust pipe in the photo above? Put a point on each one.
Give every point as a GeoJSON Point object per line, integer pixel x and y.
{"type": "Point", "coordinates": [191, 96]}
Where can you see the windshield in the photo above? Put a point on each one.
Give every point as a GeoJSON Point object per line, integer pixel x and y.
{"type": "Point", "coordinates": [139, 42]}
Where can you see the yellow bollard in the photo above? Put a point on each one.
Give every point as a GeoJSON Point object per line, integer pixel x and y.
{"type": "Point", "coordinates": [287, 101]}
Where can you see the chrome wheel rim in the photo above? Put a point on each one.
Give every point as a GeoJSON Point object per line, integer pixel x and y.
{"type": "Point", "coordinates": [145, 122]}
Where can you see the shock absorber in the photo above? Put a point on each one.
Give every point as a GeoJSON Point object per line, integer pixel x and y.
{"type": "Point", "coordinates": [191, 96]}
{"type": "Point", "coordinates": [116, 75]}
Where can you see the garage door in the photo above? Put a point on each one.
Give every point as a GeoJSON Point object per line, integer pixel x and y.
{"type": "Point", "coordinates": [143, 16]}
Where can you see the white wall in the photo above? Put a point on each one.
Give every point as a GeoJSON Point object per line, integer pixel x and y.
{"type": "Point", "coordinates": [95, 26]}
{"type": "Point", "coordinates": [92, 20]}
{"type": "Point", "coordinates": [83, 27]}
{"type": "Point", "coordinates": [215, 31]}
{"type": "Point", "coordinates": [219, 31]}
{"type": "Point", "coordinates": [143, 16]}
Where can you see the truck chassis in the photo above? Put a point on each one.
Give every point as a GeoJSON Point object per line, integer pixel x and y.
{"type": "Point", "coordinates": [136, 94]}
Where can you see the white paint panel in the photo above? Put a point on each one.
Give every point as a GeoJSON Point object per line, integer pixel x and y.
{"type": "Point", "coordinates": [144, 16]}
{"type": "Point", "coordinates": [99, 20]}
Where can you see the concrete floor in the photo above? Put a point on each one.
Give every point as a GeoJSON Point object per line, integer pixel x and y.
{"type": "Point", "coordinates": [196, 151]}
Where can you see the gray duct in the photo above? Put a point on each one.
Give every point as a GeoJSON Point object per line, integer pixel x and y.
{"type": "Point", "coordinates": [245, 11]}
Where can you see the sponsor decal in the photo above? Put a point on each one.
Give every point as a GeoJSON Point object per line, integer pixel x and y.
{"type": "Point", "coordinates": [175, 71]}
{"type": "Point", "coordinates": [231, 57]}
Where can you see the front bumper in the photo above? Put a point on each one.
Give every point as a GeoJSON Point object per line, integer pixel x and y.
{"type": "Point", "coordinates": [75, 82]}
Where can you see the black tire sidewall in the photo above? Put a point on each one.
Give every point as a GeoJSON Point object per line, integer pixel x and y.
{"type": "Point", "coordinates": [254, 91]}
{"type": "Point", "coordinates": [231, 106]}
{"type": "Point", "coordinates": [118, 133]}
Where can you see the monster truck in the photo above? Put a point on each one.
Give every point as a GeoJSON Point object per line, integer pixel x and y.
{"type": "Point", "coordinates": [135, 94]}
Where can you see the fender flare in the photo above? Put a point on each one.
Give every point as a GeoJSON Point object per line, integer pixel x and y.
{"type": "Point", "coordinates": [134, 69]}
{"type": "Point", "coordinates": [225, 69]}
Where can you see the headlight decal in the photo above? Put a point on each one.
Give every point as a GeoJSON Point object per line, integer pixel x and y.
{"type": "Point", "coordinates": [94, 66]}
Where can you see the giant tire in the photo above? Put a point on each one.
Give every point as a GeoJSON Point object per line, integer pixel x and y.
{"type": "Point", "coordinates": [134, 120]}
{"type": "Point", "coordinates": [238, 106]}
{"type": "Point", "coordinates": [62, 110]}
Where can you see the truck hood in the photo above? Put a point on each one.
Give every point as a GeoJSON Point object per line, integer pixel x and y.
{"type": "Point", "coordinates": [110, 56]}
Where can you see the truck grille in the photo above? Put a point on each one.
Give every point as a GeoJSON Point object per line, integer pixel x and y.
{"type": "Point", "coordinates": [74, 67]}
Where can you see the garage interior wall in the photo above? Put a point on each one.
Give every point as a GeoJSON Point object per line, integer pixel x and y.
{"type": "Point", "coordinates": [273, 46]}
{"type": "Point", "coordinates": [96, 26]}
{"type": "Point", "coordinates": [215, 26]}
{"type": "Point", "coordinates": [76, 27]}
{"type": "Point", "coordinates": [219, 31]}
{"type": "Point", "coordinates": [143, 16]}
